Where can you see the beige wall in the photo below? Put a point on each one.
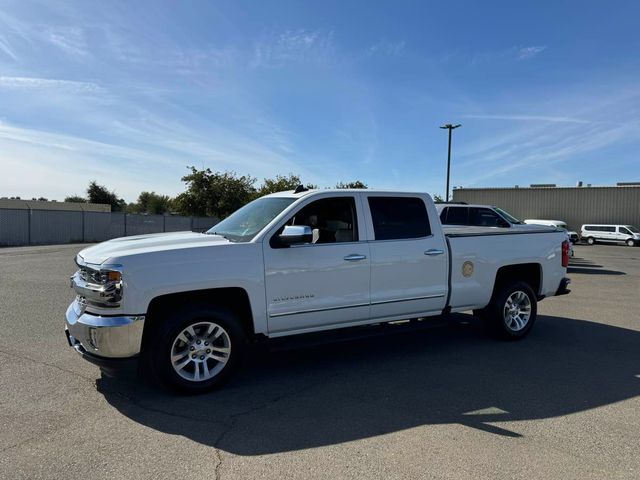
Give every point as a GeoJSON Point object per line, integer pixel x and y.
{"type": "Point", "coordinates": [574, 205]}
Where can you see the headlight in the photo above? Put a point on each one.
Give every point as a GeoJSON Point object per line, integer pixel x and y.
{"type": "Point", "coordinates": [101, 286]}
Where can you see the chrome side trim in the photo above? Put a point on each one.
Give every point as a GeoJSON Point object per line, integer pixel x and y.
{"type": "Point", "coordinates": [314, 310]}
{"type": "Point", "coordinates": [425, 297]}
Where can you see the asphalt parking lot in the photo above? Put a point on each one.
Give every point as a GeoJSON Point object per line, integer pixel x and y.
{"type": "Point", "coordinates": [440, 402]}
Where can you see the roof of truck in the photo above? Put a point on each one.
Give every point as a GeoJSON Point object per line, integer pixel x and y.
{"type": "Point", "coordinates": [441, 205]}
{"type": "Point", "coordinates": [292, 194]}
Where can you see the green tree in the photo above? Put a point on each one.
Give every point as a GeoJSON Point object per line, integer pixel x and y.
{"type": "Point", "coordinates": [438, 198]}
{"type": "Point", "coordinates": [278, 184]}
{"type": "Point", "coordinates": [151, 203]}
{"type": "Point", "coordinates": [214, 193]}
{"type": "Point", "coordinates": [100, 194]}
{"type": "Point", "coordinates": [75, 199]}
{"type": "Point", "coordinates": [355, 184]}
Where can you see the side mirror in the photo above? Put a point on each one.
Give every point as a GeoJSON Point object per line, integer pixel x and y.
{"type": "Point", "coordinates": [296, 234]}
{"type": "Point", "coordinates": [502, 223]}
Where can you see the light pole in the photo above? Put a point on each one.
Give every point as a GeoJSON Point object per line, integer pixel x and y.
{"type": "Point", "coordinates": [449, 127]}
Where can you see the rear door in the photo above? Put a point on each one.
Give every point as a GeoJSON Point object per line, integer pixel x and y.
{"type": "Point", "coordinates": [409, 260]}
{"type": "Point", "coordinates": [609, 233]}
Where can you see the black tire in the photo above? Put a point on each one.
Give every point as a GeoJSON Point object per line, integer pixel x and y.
{"type": "Point", "coordinates": [500, 320]}
{"type": "Point", "coordinates": [631, 243]}
{"type": "Point", "coordinates": [164, 339]}
{"type": "Point", "coordinates": [481, 313]}
{"type": "Point", "coordinates": [591, 240]}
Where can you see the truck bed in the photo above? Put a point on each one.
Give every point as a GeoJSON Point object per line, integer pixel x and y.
{"type": "Point", "coordinates": [477, 253]}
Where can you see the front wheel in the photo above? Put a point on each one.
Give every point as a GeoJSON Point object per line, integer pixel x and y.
{"type": "Point", "coordinates": [631, 243]}
{"type": "Point", "coordinates": [196, 350]}
{"type": "Point", "coordinates": [513, 311]}
{"type": "Point", "coordinates": [591, 240]}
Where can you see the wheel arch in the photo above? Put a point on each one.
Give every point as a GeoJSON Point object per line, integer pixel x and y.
{"type": "Point", "coordinates": [234, 299]}
{"type": "Point", "coordinates": [531, 273]}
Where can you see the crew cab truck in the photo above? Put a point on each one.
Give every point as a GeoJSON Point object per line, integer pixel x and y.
{"type": "Point", "coordinates": [186, 303]}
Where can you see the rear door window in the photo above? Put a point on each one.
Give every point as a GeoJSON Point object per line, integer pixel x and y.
{"type": "Point", "coordinates": [397, 218]}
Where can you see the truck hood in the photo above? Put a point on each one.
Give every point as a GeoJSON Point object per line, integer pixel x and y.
{"type": "Point", "coordinates": [140, 244]}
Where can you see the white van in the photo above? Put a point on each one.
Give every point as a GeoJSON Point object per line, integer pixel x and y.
{"type": "Point", "coordinates": [593, 233]}
{"type": "Point", "coordinates": [555, 223]}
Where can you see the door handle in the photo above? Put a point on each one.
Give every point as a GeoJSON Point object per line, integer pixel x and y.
{"type": "Point", "coordinates": [354, 257]}
{"type": "Point", "coordinates": [433, 252]}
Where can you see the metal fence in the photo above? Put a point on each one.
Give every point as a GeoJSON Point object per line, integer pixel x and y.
{"type": "Point", "coordinates": [20, 227]}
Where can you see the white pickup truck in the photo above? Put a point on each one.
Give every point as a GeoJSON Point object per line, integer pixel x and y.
{"type": "Point", "coordinates": [295, 262]}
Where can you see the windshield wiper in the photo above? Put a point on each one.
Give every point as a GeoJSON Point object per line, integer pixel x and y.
{"type": "Point", "coordinates": [217, 233]}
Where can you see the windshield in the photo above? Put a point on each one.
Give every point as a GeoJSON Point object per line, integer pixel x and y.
{"type": "Point", "coordinates": [510, 218]}
{"type": "Point", "coordinates": [632, 229]}
{"type": "Point", "coordinates": [561, 226]}
{"type": "Point", "coordinates": [245, 223]}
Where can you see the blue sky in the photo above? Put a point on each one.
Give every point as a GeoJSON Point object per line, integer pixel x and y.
{"type": "Point", "coordinates": [130, 93]}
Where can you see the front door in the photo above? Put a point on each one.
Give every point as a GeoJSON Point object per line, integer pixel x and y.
{"type": "Point", "coordinates": [324, 282]}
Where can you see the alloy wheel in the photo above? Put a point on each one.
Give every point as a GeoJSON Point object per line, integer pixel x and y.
{"type": "Point", "coordinates": [200, 351]}
{"type": "Point", "coordinates": [517, 311]}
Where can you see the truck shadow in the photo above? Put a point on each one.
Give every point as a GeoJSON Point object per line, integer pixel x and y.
{"type": "Point", "coordinates": [333, 393]}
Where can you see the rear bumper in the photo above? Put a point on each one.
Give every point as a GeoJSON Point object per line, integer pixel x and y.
{"type": "Point", "coordinates": [563, 289]}
{"type": "Point", "coordinates": [103, 338]}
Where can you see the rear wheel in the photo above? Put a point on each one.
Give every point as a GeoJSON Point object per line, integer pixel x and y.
{"type": "Point", "coordinates": [196, 350]}
{"type": "Point", "coordinates": [631, 243]}
{"type": "Point", "coordinates": [513, 311]}
{"type": "Point", "coordinates": [591, 240]}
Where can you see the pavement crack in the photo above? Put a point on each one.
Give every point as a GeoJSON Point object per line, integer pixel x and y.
{"type": "Point", "coordinates": [47, 364]}
{"type": "Point", "coordinates": [236, 416]}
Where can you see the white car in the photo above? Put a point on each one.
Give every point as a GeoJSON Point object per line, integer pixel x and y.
{"type": "Point", "coordinates": [610, 233]}
{"type": "Point", "coordinates": [294, 262]}
{"type": "Point", "coordinates": [573, 236]}
{"type": "Point", "coordinates": [560, 225]}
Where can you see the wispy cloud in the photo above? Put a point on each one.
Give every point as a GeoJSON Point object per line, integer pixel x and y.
{"type": "Point", "coordinates": [525, 53]}
{"type": "Point", "coordinates": [385, 47]}
{"type": "Point", "coordinates": [547, 140]}
{"type": "Point", "coordinates": [526, 118]}
{"type": "Point", "coordinates": [514, 53]}
{"type": "Point", "coordinates": [69, 39]}
{"type": "Point", "coordinates": [153, 150]}
{"type": "Point", "coordinates": [4, 47]}
{"type": "Point", "coordinates": [293, 46]}
{"type": "Point", "coordinates": [58, 85]}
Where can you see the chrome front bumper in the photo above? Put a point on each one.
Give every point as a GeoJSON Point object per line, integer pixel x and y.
{"type": "Point", "coordinates": [109, 337]}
